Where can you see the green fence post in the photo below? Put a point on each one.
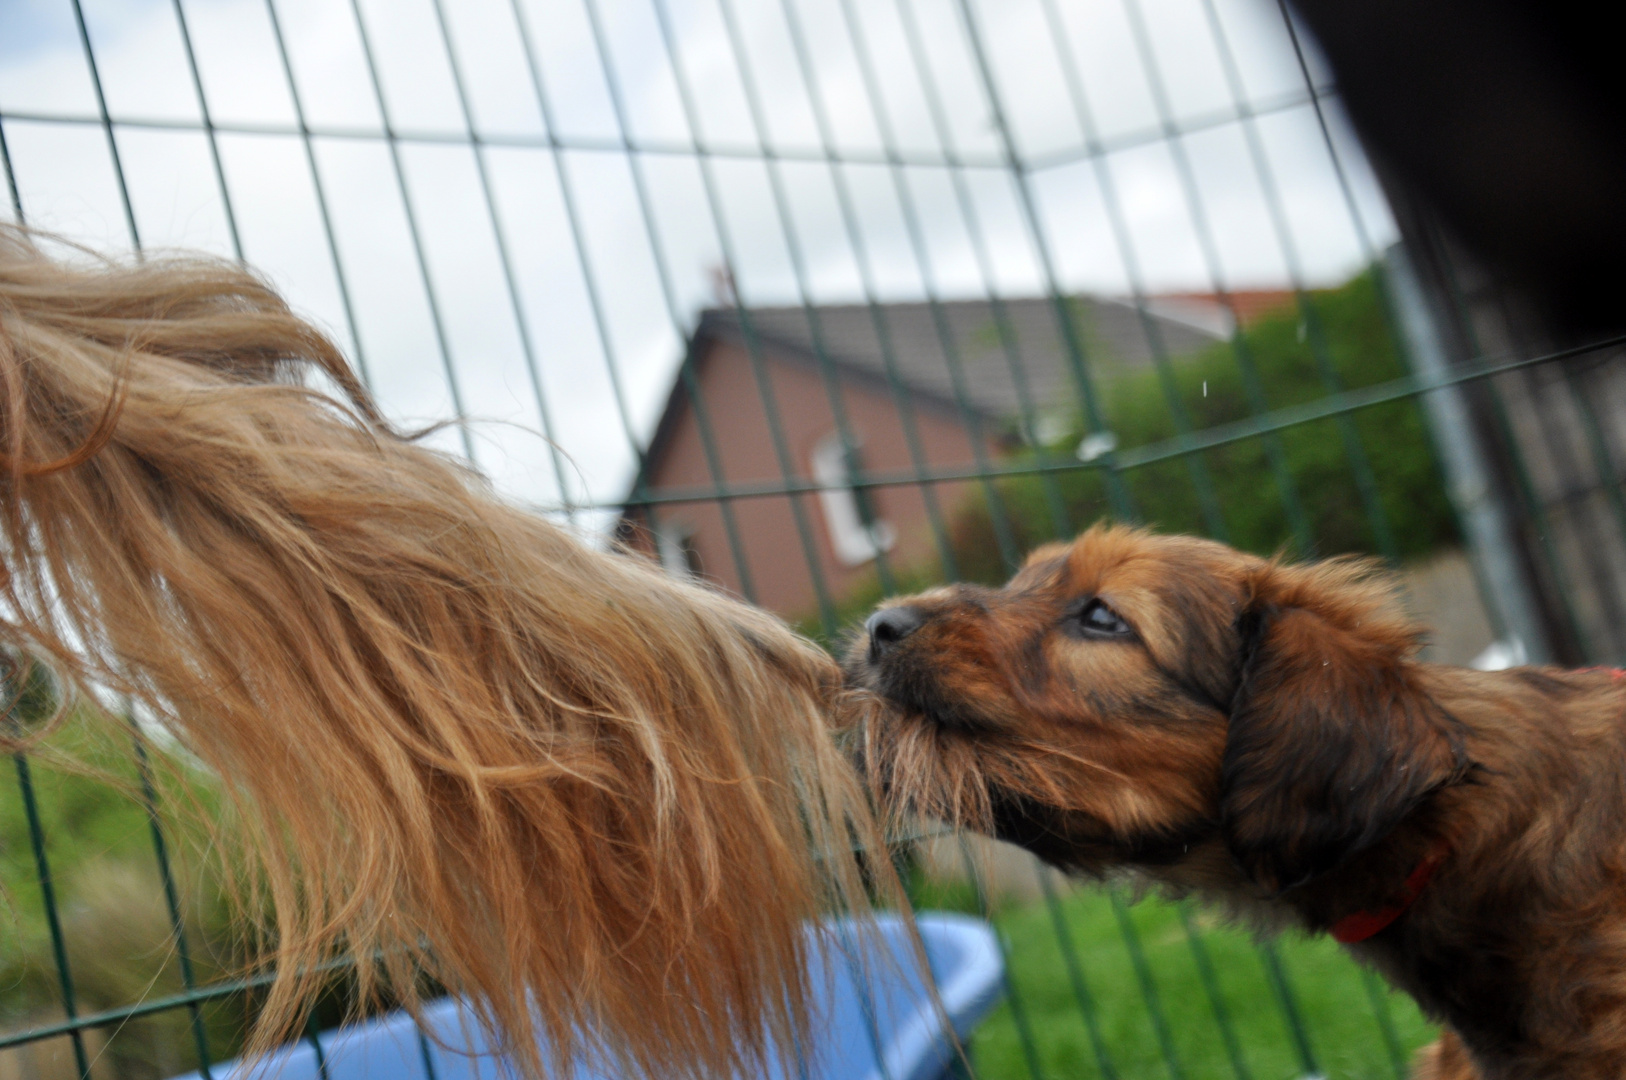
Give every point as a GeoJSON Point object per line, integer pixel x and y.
{"type": "Point", "coordinates": [1148, 985]}
{"type": "Point", "coordinates": [160, 847]}
{"type": "Point", "coordinates": [862, 258]}
{"type": "Point", "coordinates": [1024, 1029]}
{"type": "Point", "coordinates": [1378, 996]}
{"type": "Point", "coordinates": [1286, 486]}
{"type": "Point", "coordinates": [415, 234]}
{"type": "Point", "coordinates": [516, 305]}
{"type": "Point", "coordinates": [1075, 973]}
{"type": "Point", "coordinates": [1279, 983]}
{"type": "Point", "coordinates": [53, 921]}
{"type": "Point", "coordinates": [1094, 415]}
{"type": "Point", "coordinates": [1205, 972]}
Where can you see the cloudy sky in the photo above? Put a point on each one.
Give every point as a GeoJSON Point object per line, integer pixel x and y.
{"type": "Point", "coordinates": [843, 142]}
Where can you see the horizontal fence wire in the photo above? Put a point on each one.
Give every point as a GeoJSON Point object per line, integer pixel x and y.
{"type": "Point", "coordinates": [1190, 125]}
{"type": "Point", "coordinates": [1342, 403]}
{"type": "Point", "coordinates": [904, 75]}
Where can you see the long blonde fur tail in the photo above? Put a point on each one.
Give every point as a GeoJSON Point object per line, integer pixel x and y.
{"type": "Point", "coordinates": [460, 743]}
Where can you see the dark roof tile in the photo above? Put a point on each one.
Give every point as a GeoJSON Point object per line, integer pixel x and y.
{"type": "Point", "coordinates": [999, 374]}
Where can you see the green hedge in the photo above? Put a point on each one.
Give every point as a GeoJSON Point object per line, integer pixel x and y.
{"type": "Point", "coordinates": [1209, 386]}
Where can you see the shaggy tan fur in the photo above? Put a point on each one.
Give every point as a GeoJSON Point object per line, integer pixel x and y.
{"type": "Point", "coordinates": [462, 744]}
{"type": "Point", "coordinates": [1263, 735]}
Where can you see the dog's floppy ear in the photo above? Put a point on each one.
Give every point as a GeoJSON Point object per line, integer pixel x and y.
{"type": "Point", "coordinates": [1331, 743]}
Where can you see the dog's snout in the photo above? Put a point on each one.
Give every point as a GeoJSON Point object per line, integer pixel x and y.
{"type": "Point", "coordinates": [891, 625]}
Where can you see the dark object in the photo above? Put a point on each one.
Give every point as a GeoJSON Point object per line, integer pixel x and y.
{"type": "Point", "coordinates": [1508, 119]}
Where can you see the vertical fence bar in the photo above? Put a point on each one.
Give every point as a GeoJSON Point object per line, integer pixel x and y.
{"type": "Point", "coordinates": [1094, 417]}
{"type": "Point", "coordinates": [798, 261]}
{"type": "Point", "coordinates": [1196, 464]}
{"type": "Point", "coordinates": [1288, 1000]}
{"type": "Point", "coordinates": [1485, 522]}
{"type": "Point", "coordinates": [317, 186]}
{"type": "Point", "coordinates": [1061, 524]}
{"type": "Point", "coordinates": [53, 920]}
{"type": "Point", "coordinates": [943, 332]}
{"type": "Point", "coordinates": [753, 344]}
{"type": "Point", "coordinates": [1148, 986]}
{"type": "Point", "coordinates": [1377, 995]}
{"type": "Point", "coordinates": [314, 1037]}
{"type": "Point", "coordinates": [664, 275]}
{"type": "Point", "coordinates": [1354, 448]}
{"type": "Point", "coordinates": [1253, 387]}
{"type": "Point", "coordinates": [1024, 1028]}
{"type": "Point", "coordinates": [510, 280]}
{"type": "Point", "coordinates": [25, 780]}
{"type": "Point", "coordinates": [11, 176]}
{"type": "Point", "coordinates": [424, 1052]}
{"type": "Point", "coordinates": [208, 128]}
{"type": "Point", "coordinates": [172, 901]}
{"type": "Point", "coordinates": [436, 319]}
{"type": "Point", "coordinates": [567, 197]}
{"type": "Point", "coordinates": [1216, 999]}
{"type": "Point", "coordinates": [600, 320]}
{"type": "Point", "coordinates": [862, 256]}
{"type": "Point", "coordinates": [1075, 972]}
{"type": "Point", "coordinates": [106, 119]}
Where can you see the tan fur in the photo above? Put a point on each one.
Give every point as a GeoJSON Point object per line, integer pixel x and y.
{"type": "Point", "coordinates": [1264, 736]}
{"type": "Point", "coordinates": [461, 743]}
{"type": "Point", "coordinates": [1444, 1059]}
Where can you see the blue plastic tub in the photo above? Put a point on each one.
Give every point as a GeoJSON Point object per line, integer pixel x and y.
{"type": "Point", "coordinates": [873, 1017]}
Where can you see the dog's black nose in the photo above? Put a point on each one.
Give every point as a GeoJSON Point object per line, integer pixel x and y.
{"type": "Point", "coordinates": [889, 626]}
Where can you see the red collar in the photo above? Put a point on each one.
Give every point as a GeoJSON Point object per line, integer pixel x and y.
{"type": "Point", "coordinates": [1364, 924]}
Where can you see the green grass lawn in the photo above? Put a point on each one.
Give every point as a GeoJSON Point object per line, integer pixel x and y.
{"type": "Point", "coordinates": [1343, 1011]}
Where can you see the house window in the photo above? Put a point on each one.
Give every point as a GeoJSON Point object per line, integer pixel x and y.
{"type": "Point", "coordinates": [674, 542]}
{"type": "Point", "coordinates": [856, 535]}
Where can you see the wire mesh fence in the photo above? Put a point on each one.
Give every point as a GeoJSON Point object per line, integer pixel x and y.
{"type": "Point", "coordinates": [821, 300]}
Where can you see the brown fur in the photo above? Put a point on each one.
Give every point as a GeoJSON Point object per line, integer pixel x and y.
{"type": "Point", "coordinates": [1265, 737]}
{"type": "Point", "coordinates": [459, 742]}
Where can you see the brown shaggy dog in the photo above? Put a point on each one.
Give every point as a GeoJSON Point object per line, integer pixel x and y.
{"type": "Point", "coordinates": [460, 743]}
{"type": "Point", "coordinates": [1262, 734]}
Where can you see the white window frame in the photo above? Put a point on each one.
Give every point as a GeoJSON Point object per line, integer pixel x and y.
{"type": "Point", "coordinates": [673, 547]}
{"type": "Point", "coordinates": [853, 542]}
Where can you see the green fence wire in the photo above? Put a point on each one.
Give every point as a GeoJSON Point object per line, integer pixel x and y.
{"type": "Point", "coordinates": [882, 92]}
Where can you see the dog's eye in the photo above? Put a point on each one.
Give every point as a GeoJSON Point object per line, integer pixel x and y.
{"type": "Point", "coordinates": [1098, 620]}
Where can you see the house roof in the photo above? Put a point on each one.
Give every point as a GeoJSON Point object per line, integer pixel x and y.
{"type": "Point", "coordinates": [920, 346]}
{"type": "Point", "coordinates": [924, 344]}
